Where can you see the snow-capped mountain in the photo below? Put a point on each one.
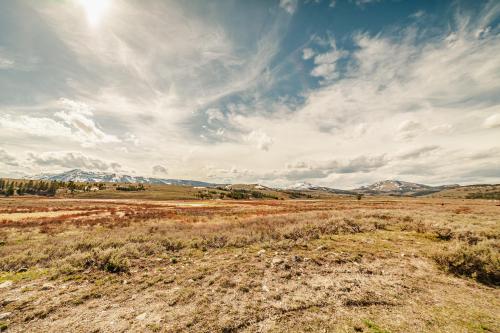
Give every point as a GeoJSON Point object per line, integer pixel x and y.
{"type": "Point", "coordinates": [399, 187]}
{"type": "Point", "coordinates": [304, 186]}
{"type": "Point", "coordinates": [395, 186]}
{"type": "Point", "coordinates": [78, 175]}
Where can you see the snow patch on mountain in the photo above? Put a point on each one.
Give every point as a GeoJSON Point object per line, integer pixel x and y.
{"type": "Point", "coordinates": [77, 175]}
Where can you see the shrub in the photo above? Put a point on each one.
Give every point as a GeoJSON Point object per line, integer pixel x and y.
{"type": "Point", "coordinates": [480, 261]}
{"type": "Point", "coordinates": [112, 261]}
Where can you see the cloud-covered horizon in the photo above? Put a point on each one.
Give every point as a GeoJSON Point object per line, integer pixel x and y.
{"type": "Point", "coordinates": [272, 92]}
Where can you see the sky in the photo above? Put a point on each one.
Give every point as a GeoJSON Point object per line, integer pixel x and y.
{"type": "Point", "coordinates": [336, 93]}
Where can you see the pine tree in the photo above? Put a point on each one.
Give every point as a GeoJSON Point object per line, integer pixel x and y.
{"type": "Point", "coordinates": [21, 189]}
{"type": "Point", "coordinates": [52, 190]}
{"type": "Point", "coordinates": [10, 190]}
{"type": "Point", "coordinates": [71, 186]}
{"type": "Point", "coordinates": [30, 187]}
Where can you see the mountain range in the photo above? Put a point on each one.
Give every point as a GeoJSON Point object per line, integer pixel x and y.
{"type": "Point", "coordinates": [398, 187]}
{"type": "Point", "coordinates": [78, 175]}
{"type": "Point", "coordinates": [386, 187]}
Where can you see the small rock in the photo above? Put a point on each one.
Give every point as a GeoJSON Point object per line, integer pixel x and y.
{"type": "Point", "coordinates": [47, 286]}
{"type": "Point", "coordinates": [320, 248]}
{"type": "Point", "coordinates": [22, 269]}
{"type": "Point", "coordinates": [261, 252]}
{"type": "Point", "coordinates": [5, 315]}
{"type": "Point", "coordinates": [277, 261]}
{"type": "Point", "coordinates": [141, 317]}
{"type": "Point", "coordinates": [6, 284]}
{"type": "Point", "coordinates": [7, 301]}
{"type": "Point", "coordinates": [265, 288]}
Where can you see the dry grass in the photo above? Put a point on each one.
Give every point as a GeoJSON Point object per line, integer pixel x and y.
{"type": "Point", "coordinates": [375, 265]}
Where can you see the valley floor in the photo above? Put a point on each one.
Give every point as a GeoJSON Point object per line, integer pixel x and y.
{"type": "Point", "coordinates": [340, 265]}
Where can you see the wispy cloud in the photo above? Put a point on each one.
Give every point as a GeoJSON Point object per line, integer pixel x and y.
{"type": "Point", "coordinates": [289, 5]}
{"type": "Point", "coordinates": [71, 160]}
{"type": "Point", "coordinates": [180, 85]}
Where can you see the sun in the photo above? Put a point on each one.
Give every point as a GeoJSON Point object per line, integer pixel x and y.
{"type": "Point", "coordinates": [95, 10]}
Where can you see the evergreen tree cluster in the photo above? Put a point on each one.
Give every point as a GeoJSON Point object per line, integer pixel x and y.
{"type": "Point", "coordinates": [45, 188]}
{"type": "Point", "coordinates": [131, 188]}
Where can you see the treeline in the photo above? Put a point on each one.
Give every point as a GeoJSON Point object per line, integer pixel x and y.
{"type": "Point", "coordinates": [131, 188]}
{"type": "Point", "coordinates": [10, 188]}
{"type": "Point", "coordinates": [484, 195]}
{"type": "Point", "coordinates": [239, 194]}
{"type": "Point", "coordinates": [43, 188]}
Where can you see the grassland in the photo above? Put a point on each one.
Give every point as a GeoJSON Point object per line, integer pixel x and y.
{"type": "Point", "coordinates": [336, 265]}
{"type": "Point", "coordinates": [469, 191]}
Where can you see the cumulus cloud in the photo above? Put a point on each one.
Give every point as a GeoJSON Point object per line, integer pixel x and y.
{"type": "Point", "coordinates": [289, 5]}
{"type": "Point", "coordinates": [159, 170]}
{"type": "Point", "coordinates": [36, 126]}
{"type": "Point", "coordinates": [74, 122]}
{"type": "Point", "coordinates": [71, 160]}
{"type": "Point", "coordinates": [79, 117]}
{"type": "Point", "coordinates": [260, 139]}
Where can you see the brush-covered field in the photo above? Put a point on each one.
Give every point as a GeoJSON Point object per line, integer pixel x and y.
{"type": "Point", "coordinates": [337, 265]}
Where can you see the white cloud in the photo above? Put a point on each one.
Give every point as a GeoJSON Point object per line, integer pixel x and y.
{"type": "Point", "coordinates": [78, 116]}
{"type": "Point", "coordinates": [214, 115]}
{"type": "Point", "coordinates": [36, 126]}
{"type": "Point", "coordinates": [492, 121]}
{"type": "Point", "coordinates": [362, 3]}
{"type": "Point", "coordinates": [289, 5]}
{"type": "Point", "coordinates": [260, 139]}
{"type": "Point", "coordinates": [408, 129]}
{"type": "Point", "coordinates": [307, 53]}
{"type": "Point", "coordinates": [6, 63]}
{"type": "Point", "coordinates": [8, 159]}
{"type": "Point", "coordinates": [326, 62]}
{"type": "Point", "coordinates": [70, 160]}
{"type": "Point", "coordinates": [419, 152]}
{"type": "Point", "coordinates": [76, 124]}
{"type": "Point", "coordinates": [146, 90]}
{"type": "Point", "coordinates": [159, 170]}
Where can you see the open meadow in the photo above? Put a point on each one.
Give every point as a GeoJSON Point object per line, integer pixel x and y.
{"type": "Point", "coordinates": [337, 265]}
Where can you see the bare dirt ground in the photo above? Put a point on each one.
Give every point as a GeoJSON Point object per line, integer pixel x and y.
{"type": "Point", "coordinates": [341, 265]}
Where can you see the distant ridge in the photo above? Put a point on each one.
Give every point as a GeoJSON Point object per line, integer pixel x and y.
{"type": "Point", "coordinates": [384, 187]}
{"type": "Point", "coordinates": [304, 186]}
{"type": "Point", "coordinates": [398, 187]}
{"type": "Point", "coordinates": [78, 175]}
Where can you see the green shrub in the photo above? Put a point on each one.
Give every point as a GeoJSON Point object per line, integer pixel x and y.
{"type": "Point", "coordinates": [479, 261]}
{"type": "Point", "coordinates": [112, 261]}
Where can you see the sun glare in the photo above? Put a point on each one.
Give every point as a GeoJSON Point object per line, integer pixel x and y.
{"type": "Point", "coordinates": [95, 10]}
